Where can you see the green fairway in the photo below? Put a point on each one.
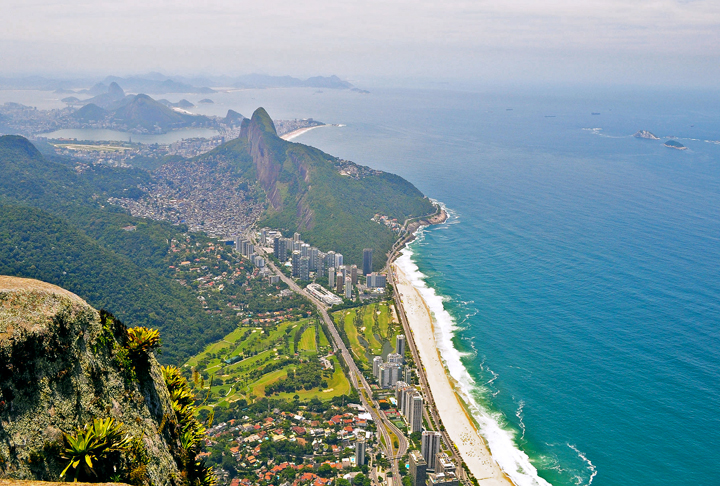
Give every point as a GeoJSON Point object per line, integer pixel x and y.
{"type": "Point", "coordinates": [237, 362]}
{"type": "Point", "coordinates": [369, 330]}
{"type": "Point", "coordinates": [307, 341]}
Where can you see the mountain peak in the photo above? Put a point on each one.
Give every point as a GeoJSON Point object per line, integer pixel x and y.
{"type": "Point", "coordinates": [19, 145]}
{"type": "Point", "coordinates": [115, 89]}
{"type": "Point", "coordinates": [262, 120]}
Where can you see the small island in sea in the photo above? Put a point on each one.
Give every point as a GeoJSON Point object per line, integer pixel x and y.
{"type": "Point", "coordinates": [645, 134]}
{"type": "Point", "coordinates": [675, 145]}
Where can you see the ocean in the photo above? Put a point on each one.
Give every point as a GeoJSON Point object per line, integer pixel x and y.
{"type": "Point", "coordinates": [576, 283]}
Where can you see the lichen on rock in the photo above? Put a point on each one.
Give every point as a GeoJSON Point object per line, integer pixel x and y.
{"type": "Point", "coordinates": [61, 366]}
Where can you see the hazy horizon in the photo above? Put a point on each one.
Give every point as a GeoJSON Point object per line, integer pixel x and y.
{"type": "Point", "coordinates": [666, 42]}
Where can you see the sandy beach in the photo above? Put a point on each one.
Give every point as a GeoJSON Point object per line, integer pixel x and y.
{"type": "Point", "coordinates": [297, 133]}
{"type": "Point", "coordinates": [458, 424]}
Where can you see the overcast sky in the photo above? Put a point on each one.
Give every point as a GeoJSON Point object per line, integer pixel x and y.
{"type": "Point", "coordinates": [631, 41]}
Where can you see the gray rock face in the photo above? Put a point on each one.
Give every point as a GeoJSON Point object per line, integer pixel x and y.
{"type": "Point", "coordinates": [58, 371]}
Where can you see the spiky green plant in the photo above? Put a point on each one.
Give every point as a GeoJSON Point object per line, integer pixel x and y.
{"type": "Point", "coordinates": [183, 396]}
{"type": "Point", "coordinates": [191, 432]}
{"type": "Point", "coordinates": [173, 378]}
{"type": "Point", "coordinates": [141, 340]}
{"type": "Point", "coordinates": [90, 445]}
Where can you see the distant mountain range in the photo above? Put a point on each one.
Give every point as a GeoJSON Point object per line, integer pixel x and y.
{"type": "Point", "coordinates": [137, 111]}
{"type": "Point", "coordinates": [157, 83]}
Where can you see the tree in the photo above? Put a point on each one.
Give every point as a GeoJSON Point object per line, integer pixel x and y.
{"type": "Point", "coordinates": [361, 480]}
{"type": "Point", "coordinates": [325, 471]}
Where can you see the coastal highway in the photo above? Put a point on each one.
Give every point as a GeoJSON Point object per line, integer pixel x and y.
{"type": "Point", "coordinates": [357, 379]}
{"type": "Point", "coordinates": [430, 401]}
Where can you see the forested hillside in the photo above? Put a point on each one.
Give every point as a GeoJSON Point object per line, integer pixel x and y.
{"type": "Point", "coordinates": [329, 201]}
{"type": "Point", "coordinates": [55, 227]}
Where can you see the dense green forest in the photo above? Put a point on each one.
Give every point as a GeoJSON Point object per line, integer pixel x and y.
{"type": "Point", "coordinates": [55, 227]}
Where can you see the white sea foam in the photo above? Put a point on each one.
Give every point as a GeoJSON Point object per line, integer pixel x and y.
{"type": "Point", "coordinates": [511, 459]}
{"type": "Point", "coordinates": [519, 415]}
{"type": "Point", "coordinates": [591, 467]}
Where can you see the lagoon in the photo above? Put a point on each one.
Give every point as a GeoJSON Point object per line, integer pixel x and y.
{"type": "Point", "coordinates": [98, 134]}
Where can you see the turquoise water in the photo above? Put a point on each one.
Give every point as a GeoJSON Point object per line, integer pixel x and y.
{"type": "Point", "coordinates": [578, 279]}
{"type": "Point", "coordinates": [581, 268]}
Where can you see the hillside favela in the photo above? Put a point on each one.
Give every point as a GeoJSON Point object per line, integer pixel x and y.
{"type": "Point", "coordinates": [316, 244]}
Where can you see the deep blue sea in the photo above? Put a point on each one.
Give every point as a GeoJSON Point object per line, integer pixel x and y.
{"type": "Point", "coordinates": [578, 278]}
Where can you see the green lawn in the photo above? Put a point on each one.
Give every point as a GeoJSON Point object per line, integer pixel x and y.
{"type": "Point", "coordinates": [258, 388]}
{"type": "Point", "coordinates": [352, 334]}
{"type": "Point", "coordinates": [337, 385]}
{"type": "Point", "coordinates": [370, 330]}
{"type": "Point", "coordinates": [323, 340]}
{"type": "Point", "coordinates": [269, 344]}
{"type": "Point", "coordinates": [377, 329]}
{"type": "Point", "coordinates": [307, 341]}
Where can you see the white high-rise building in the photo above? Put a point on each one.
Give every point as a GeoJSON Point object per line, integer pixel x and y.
{"type": "Point", "coordinates": [338, 260]}
{"type": "Point", "coordinates": [416, 413]}
{"type": "Point", "coordinates": [304, 272]}
{"type": "Point", "coordinates": [331, 276]}
{"type": "Point", "coordinates": [400, 389]}
{"type": "Point", "coordinates": [348, 288]}
{"type": "Point", "coordinates": [407, 375]}
{"type": "Point", "coordinates": [314, 258]}
{"type": "Point", "coordinates": [395, 358]}
{"type": "Point", "coordinates": [407, 401]}
{"type": "Point", "coordinates": [389, 374]}
{"type": "Point", "coordinates": [360, 451]}
{"type": "Point", "coordinates": [429, 447]}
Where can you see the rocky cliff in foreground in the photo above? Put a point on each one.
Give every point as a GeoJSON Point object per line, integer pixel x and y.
{"type": "Point", "coordinates": [62, 365]}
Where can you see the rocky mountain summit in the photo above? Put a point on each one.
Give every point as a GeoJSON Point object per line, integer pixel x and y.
{"type": "Point", "coordinates": [71, 377]}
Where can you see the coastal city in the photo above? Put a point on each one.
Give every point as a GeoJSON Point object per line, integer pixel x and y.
{"type": "Point", "coordinates": [360, 243]}
{"type": "Point", "coordinates": [390, 434]}
{"type": "Point", "coordinates": [316, 377]}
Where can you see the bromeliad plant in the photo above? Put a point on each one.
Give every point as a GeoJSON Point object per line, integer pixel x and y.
{"type": "Point", "coordinates": [190, 432]}
{"type": "Point", "coordinates": [142, 340]}
{"type": "Point", "coordinates": [88, 450]}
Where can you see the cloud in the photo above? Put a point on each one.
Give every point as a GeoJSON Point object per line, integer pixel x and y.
{"type": "Point", "coordinates": [355, 37]}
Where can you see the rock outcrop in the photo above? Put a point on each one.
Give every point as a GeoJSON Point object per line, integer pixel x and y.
{"type": "Point", "coordinates": [61, 366]}
{"type": "Point", "coordinates": [645, 134]}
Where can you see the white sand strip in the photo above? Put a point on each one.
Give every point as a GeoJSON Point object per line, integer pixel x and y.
{"type": "Point", "coordinates": [471, 445]}
{"type": "Point", "coordinates": [298, 132]}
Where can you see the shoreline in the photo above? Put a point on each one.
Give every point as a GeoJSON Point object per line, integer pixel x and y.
{"type": "Point", "coordinates": [458, 422]}
{"type": "Point", "coordinates": [296, 133]}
